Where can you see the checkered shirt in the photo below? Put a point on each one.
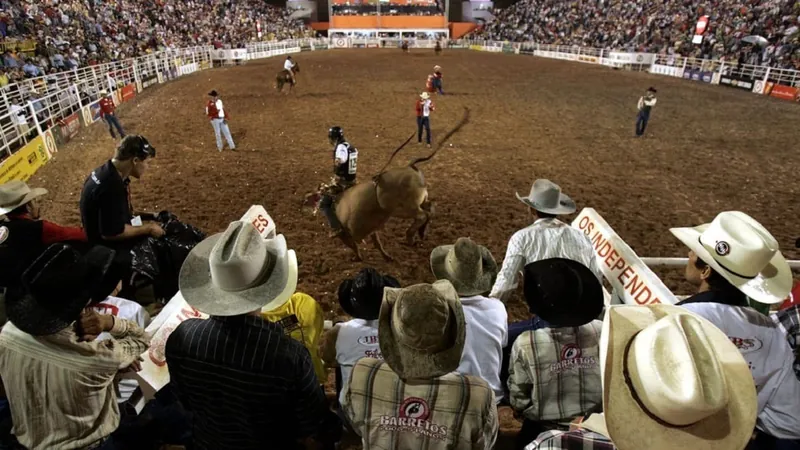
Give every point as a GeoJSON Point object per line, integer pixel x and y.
{"type": "Point", "coordinates": [571, 440]}
{"type": "Point", "coordinates": [554, 373]}
{"type": "Point", "coordinates": [789, 321]}
{"type": "Point", "coordinates": [451, 411]}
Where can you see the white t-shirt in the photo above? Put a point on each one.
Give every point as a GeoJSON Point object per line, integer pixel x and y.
{"type": "Point", "coordinates": [487, 334]}
{"type": "Point", "coordinates": [426, 108]}
{"type": "Point", "coordinates": [18, 115]}
{"type": "Point", "coordinates": [288, 64]}
{"type": "Point", "coordinates": [357, 339]}
{"type": "Point", "coordinates": [765, 348]}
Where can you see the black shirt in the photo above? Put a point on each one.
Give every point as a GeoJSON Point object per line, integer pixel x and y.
{"type": "Point", "coordinates": [105, 207]}
{"type": "Point", "coordinates": [248, 385]}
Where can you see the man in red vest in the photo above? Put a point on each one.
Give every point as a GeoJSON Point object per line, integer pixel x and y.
{"type": "Point", "coordinates": [219, 120]}
{"type": "Point", "coordinates": [107, 109]}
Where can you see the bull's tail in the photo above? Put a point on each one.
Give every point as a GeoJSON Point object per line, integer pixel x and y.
{"type": "Point", "coordinates": [464, 120]}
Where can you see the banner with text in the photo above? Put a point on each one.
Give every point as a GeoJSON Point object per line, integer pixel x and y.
{"type": "Point", "coordinates": [632, 280]}
{"type": "Point", "coordinates": [69, 127]}
{"type": "Point", "coordinates": [128, 92]}
{"type": "Point", "coordinates": [24, 162]}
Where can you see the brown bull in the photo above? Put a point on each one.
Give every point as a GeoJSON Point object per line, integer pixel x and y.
{"type": "Point", "coordinates": [365, 208]}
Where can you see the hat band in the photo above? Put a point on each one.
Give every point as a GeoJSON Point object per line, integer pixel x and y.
{"type": "Point", "coordinates": [723, 265]}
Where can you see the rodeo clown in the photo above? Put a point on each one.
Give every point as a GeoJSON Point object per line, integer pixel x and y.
{"type": "Point", "coordinates": [434, 83]}
{"type": "Point", "coordinates": [345, 160]}
{"type": "Point", "coordinates": [288, 66]}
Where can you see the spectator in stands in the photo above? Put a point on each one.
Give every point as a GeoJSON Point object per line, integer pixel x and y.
{"type": "Point", "coordinates": [31, 70]}
{"type": "Point", "coordinates": [18, 117]}
{"type": "Point", "coordinates": [421, 331]}
{"type": "Point", "coordinates": [108, 111]}
{"type": "Point", "coordinates": [9, 60]}
{"type": "Point", "coordinates": [58, 378]}
{"type": "Point", "coordinates": [733, 258]}
{"type": "Point", "coordinates": [471, 269]}
{"type": "Point", "coordinates": [263, 379]}
{"type": "Point", "coordinates": [645, 105]}
{"type": "Point", "coordinates": [554, 372]}
{"type": "Point", "coordinates": [347, 342]}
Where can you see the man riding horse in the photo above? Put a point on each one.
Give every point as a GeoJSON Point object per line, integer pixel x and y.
{"type": "Point", "coordinates": [288, 66]}
{"type": "Point", "coordinates": [345, 160]}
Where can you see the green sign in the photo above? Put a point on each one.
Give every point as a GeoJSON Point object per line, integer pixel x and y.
{"type": "Point", "coordinates": [305, 48]}
{"type": "Point", "coordinates": [508, 48]}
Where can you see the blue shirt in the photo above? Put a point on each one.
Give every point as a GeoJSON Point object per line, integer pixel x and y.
{"type": "Point", "coordinates": [31, 70]}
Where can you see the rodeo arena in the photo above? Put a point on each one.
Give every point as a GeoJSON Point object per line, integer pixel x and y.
{"type": "Point", "coordinates": [399, 224]}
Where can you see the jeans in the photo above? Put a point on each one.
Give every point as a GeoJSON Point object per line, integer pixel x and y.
{"type": "Point", "coordinates": [220, 125]}
{"type": "Point", "coordinates": [763, 441]}
{"type": "Point", "coordinates": [641, 122]}
{"type": "Point", "coordinates": [424, 122]}
{"type": "Point", "coordinates": [437, 84]}
{"type": "Point", "coordinates": [113, 122]}
{"type": "Point", "coordinates": [514, 330]}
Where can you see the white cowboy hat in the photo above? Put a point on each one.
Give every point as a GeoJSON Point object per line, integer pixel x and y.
{"type": "Point", "coordinates": [546, 196]}
{"type": "Point", "coordinates": [421, 330]}
{"type": "Point", "coordinates": [237, 272]}
{"type": "Point", "coordinates": [17, 193]}
{"type": "Point", "coordinates": [470, 267]}
{"type": "Point", "coordinates": [437, 68]}
{"type": "Point", "coordinates": [103, 92]}
{"type": "Point", "coordinates": [424, 96]}
{"type": "Point", "coordinates": [672, 380]}
{"type": "Point", "coordinates": [740, 249]}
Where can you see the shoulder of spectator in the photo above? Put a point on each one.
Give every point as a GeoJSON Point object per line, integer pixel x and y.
{"type": "Point", "coordinates": [327, 346]}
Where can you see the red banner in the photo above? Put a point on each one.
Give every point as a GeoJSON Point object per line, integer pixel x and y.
{"type": "Point", "coordinates": [70, 126]}
{"type": "Point", "coordinates": [128, 92]}
{"type": "Point", "coordinates": [783, 92]}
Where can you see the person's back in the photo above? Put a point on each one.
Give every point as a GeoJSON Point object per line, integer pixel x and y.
{"type": "Point", "coordinates": [247, 384]}
{"type": "Point", "coordinates": [356, 339]}
{"type": "Point", "coordinates": [487, 333]}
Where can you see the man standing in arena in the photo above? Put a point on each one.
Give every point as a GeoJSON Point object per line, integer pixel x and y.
{"type": "Point", "coordinates": [288, 66]}
{"type": "Point", "coordinates": [107, 109]}
{"type": "Point", "coordinates": [424, 108]}
{"type": "Point", "coordinates": [219, 120]}
{"type": "Point", "coordinates": [345, 160]}
{"type": "Point", "coordinates": [437, 78]}
{"type": "Point", "coordinates": [646, 103]}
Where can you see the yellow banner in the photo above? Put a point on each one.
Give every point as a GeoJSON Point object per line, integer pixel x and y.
{"type": "Point", "coordinates": [25, 162]}
{"type": "Point", "coordinates": [204, 65]}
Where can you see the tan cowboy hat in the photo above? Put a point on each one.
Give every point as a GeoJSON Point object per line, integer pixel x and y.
{"type": "Point", "coordinates": [237, 272]}
{"type": "Point", "coordinates": [740, 249]}
{"type": "Point", "coordinates": [17, 193]}
{"type": "Point", "coordinates": [424, 96]}
{"type": "Point", "coordinates": [435, 68]}
{"type": "Point", "coordinates": [470, 267]}
{"type": "Point", "coordinates": [421, 330]}
{"type": "Point", "coordinates": [103, 92]}
{"type": "Point", "coordinates": [672, 380]}
{"type": "Point", "coordinates": [546, 197]}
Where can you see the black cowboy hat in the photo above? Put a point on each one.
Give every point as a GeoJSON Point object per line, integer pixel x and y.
{"type": "Point", "coordinates": [563, 292]}
{"type": "Point", "coordinates": [652, 89]}
{"type": "Point", "coordinates": [213, 93]}
{"type": "Point", "coordinates": [362, 295]}
{"type": "Point", "coordinates": [58, 285]}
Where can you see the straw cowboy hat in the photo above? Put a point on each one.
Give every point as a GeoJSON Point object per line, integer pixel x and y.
{"type": "Point", "coordinates": [672, 380]}
{"type": "Point", "coordinates": [237, 272]}
{"type": "Point", "coordinates": [546, 197]}
{"type": "Point", "coordinates": [563, 292]}
{"type": "Point", "coordinates": [740, 249]}
{"type": "Point", "coordinates": [17, 193]}
{"type": "Point", "coordinates": [424, 96]}
{"type": "Point", "coordinates": [468, 266]}
{"type": "Point", "coordinates": [103, 92]}
{"type": "Point", "coordinates": [421, 330]}
{"type": "Point", "coordinates": [437, 68]}
{"type": "Point", "coordinates": [58, 285]}
{"type": "Point", "coordinates": [362, 295]}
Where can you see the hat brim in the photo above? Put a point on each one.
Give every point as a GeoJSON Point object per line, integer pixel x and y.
{"type": "Point", "coordinates": [771, 286]}
{"type": "Point", "coordinates": [631, 427]}
{"type": "Point", "coordinates": [565, 205]}
{"type": "Point", "coordinates": [465, 288]}
{"type": "Point", "coordinates": [30, 196]}
{"type": "Point", "coordinates": [407, 362]}
{"type": "Point", "coordinates": [200, 292]}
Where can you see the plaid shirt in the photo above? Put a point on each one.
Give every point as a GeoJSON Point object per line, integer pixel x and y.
{"type": "Point", "coordinates": [789, 321]}
{"type": "Point", "coordinates": [571, 440]}
{"type": "Point", "coordinates": [451, 411]}
{"type": "Point", "coordinates": [554, 373]}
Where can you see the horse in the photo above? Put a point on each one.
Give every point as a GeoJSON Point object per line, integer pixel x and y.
{"type": "Point", "coordinates": [401, 192]}
{"type": "Point", "coordinates": [404, 46]}
{"type": "Point", "coordinates": [438, 48]}
{"type": "Point", "coordinates": [283, 77]}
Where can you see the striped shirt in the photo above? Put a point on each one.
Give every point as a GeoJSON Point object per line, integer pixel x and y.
{"type": "Point", "coordinates": [546, 238]}
{"type": "Point", "coordinates": [554, 373]}
{"type": "Point", "coordinates": [449, 412]}
{"type": "Point", "coordinates": [246, 382]}
{"type": "Point", "coordinates": [789, 322]}
{"type": "Point", "coordinates": [571, 440]}
{"type": "Point", "coordinates": [61, 391]}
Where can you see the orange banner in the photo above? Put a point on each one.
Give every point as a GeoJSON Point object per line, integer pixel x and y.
{"type": "Point", "coordinates": [355, 22]}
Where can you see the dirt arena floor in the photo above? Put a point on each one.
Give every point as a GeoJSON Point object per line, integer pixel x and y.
{"type": "Point", "coordinates": [707, 149]}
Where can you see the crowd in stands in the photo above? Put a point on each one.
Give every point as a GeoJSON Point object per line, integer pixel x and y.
{"type": "Point", "coordinates": [657, 27]}
{"type": "Point", "coordinates": [75, 33]}
{"type": "Point", "coordinates": [372, 9]}
{"type": "Point", "coordinates": [416, 365]}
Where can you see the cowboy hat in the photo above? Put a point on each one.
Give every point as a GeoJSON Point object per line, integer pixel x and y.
{"type": "Point", "coordinates": [212, 93]}
{"type": "Point", "coordinates": [424, 96]}
{"type": "Point", "coordinates": [743, 252]}
{"type": "Point", "coordinates": [16, 193]}
{"type": "Point", "coordinates": [238, 272]}
{"type": "Point", "coordinates": [103, 92]}
{"type": "Point", "coordinates": [468, 266]}
{"type": "Point", "coordinates": [58, 285]}
{"type": "Point", "coordinates": [421, 330]}
{"type": "Point", "coordinates": [435, 68]}
{"type": "Point", "coordinates": [671, 379]}
{"type": "Point", "coordinates": [563, 292]}
{"type": "Point", "coordinates": [362, 295]}
{"type": "Point", "coordinates": [546, 197]}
